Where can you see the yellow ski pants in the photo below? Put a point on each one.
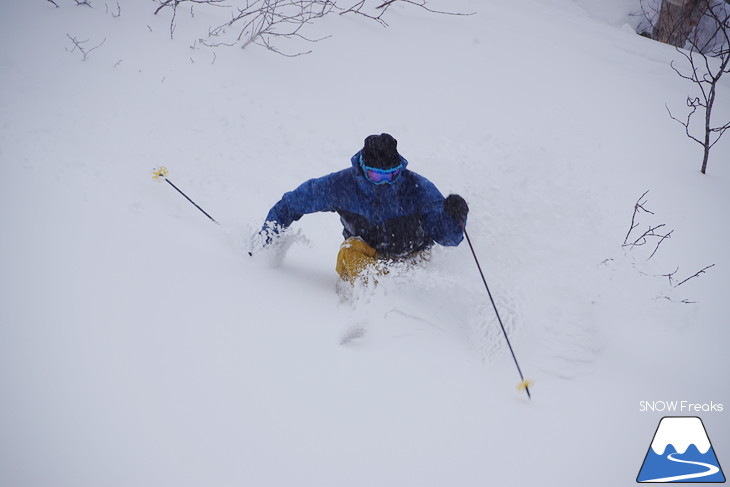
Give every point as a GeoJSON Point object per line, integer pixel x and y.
{"type": "Point", "coordinates": [354, 257]}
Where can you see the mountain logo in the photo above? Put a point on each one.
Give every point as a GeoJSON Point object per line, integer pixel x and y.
{"type": "Point", "coordinates": [681, 452]}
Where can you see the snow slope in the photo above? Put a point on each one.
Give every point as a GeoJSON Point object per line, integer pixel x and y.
{"type": "Point", "coordinates": [141, 345]}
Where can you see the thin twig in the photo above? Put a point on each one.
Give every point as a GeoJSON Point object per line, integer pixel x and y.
{"type": "Point", "coordinates": [661, 239]}
{"type": "Point", "coordinates": [670, 276]}
{"type": "Point", "coordinates": [638, 206]}
{"type": "Point", "coordinates": [78, 45]}
{"type": "Point", "coordinates": [701, 271]}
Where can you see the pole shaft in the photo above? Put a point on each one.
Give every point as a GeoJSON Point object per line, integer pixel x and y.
{"type": "Point", "coordinates": [491, 299]}
{"type": "Point", "coordinates": [193, 202]}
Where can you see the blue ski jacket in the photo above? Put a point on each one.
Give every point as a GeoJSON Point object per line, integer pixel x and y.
{"type": "Point", "coordinates": [395, 219]}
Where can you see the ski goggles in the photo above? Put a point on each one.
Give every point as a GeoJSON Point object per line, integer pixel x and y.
{"type": "Point", "coordinates": [380, 176]}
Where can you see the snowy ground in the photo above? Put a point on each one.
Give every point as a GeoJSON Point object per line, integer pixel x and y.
{"type": "Point", "coordinates": [140, 344]}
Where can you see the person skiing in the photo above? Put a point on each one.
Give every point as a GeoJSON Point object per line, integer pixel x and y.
{"type": "Point", "coordinates": [388, 212]}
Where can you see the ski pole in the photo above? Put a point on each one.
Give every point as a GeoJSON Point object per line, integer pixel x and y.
{"type": "Point", "coordinates": [162, 173]}
{"type": "Point", "coordinates": [524, 384]}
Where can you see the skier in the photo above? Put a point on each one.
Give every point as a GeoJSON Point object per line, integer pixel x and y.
{"type": "Point", "coordinates": [388, 212]}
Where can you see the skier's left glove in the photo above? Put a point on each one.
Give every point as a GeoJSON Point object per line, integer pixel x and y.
{"type": "Point", "coordinates": [455, 206]}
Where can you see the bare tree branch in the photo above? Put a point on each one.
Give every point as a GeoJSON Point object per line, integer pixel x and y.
{"type": "Point", "coordinates": [661, 239]}
{"type": "Point", "coordinates": [638, 206]}
{"type": "Point", "coordinates": [707, 59]}
{"type": "Point", "coordinates": [359, 8]}
{"type": "Point", "coordinates": [84, 51]}
{"type": "Point", "coordinates": [215, 44]}
{"type": "Point", "coordinates": [262, 22]}
{"type": "Point", "coordinates": [701, 271]}
{"type": "Point", "coordinates": [685, 123]}
{"type": "Point", "coordinates": [174, 3]}
{"type": "Point", "coordinates": [670, 276]}
{"type": "Point", "coordinates": [424, 5]}
{"type": "Point", "coordinates": [651, 232]}
{"type": "Point", "coordinates": [266, 22]}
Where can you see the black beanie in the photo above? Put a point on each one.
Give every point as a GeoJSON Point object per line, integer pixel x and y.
{"type": "Point", "coordinates": [380, 151]}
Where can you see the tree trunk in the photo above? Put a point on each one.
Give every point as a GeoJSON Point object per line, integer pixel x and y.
{"type": "Point", "coordinates": [677, 20]}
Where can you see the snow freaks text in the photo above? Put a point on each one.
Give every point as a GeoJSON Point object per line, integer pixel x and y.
{"type": "Point", "coordinates": [679, 407]}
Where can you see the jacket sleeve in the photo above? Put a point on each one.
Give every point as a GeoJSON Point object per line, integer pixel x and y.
{"type": "Point", "coordinates": [310, 197]}
{"type": "Point", "coordinates": [442, 228]}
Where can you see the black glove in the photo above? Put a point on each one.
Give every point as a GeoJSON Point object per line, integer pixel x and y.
{"type": "Point", "coordinates": [456, 207]}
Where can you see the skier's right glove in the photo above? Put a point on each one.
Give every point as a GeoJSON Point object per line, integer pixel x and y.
{"type": "Point", "coordinates": [455, 206]}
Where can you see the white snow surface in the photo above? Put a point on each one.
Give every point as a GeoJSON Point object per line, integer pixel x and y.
{"type": "Point", "coordinates": [140, 345]}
